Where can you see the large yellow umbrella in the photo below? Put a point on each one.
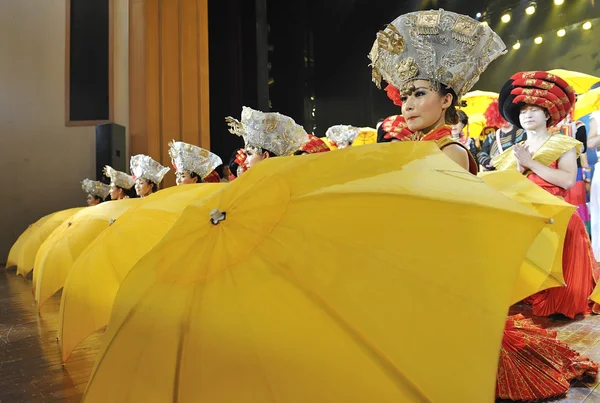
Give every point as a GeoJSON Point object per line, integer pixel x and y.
{"type": "Point", "coordinates": [477, 123]}
{"type": "Point", "coordinates": [306, 281]}
{"type": "Point", "coordinates": [580, 82]}
{"type": "Point", "coordinates": [542, 266]}
{"type": "Point", "coordinates": [57, 254]}
{"type": "Point", "coordinates": [587, 103]}
{"type": "Point", "coordinates": [478, 101]}
{"type": "Point", "coordinates": [367, 135]}
{"type": "Point", "coordinates": [34, 241]}
{"type": "Point", "coordinates": [96, 275]}
{"type": "Point", "coordinates": [15, 249]}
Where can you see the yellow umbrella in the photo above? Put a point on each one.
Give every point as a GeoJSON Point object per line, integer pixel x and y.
{"type": "Point", "coordinates": [57, 254]}
{"type": "Point", "coordinates": [34, 241]}
{"type": "Point", "coordinates": [580, 82]}
{"type": "Point", "coordinates": [15, 250]}
{"type": "Point", "coordinates": [477, 123]}
{"type": "Point", "coordinates": [478, 102]}
{"type": "Point", "coordinates": [542, 266]}
{"type": "Point", "coordinates": [267, 291]}
{"type": "Point", "coordinates": [94, 279]}
{"type": "Point", "coordinates": [587, 103]}
{"type": "Point", "coordinates": [367, 135]}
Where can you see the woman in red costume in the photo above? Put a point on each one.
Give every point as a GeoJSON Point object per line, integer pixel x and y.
{"type": "Point", "coordinates": [432, 59]}
{"type": "Point", "coordinates": [536, 101]}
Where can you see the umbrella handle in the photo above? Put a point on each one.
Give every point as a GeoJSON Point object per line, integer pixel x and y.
{"type": "Point", "coordinates": [216, 216]}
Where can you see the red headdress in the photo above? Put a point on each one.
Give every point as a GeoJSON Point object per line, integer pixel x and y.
{"type": "Point", "coordinates": [314, 145]}
{"type": "Point", "coordinates": [212, 177]}
{"type": "Point", "coordinates": [493, 116]}
{"type": "Point", "coordinates": [394, 94]}
{"type": "Point", "coordinates": [538, 88]}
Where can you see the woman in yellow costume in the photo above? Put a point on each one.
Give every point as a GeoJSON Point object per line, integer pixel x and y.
{"type": "Point", "coordinates": [96, 191]}
{"type": "Point", "coordinates": [121, 184]}
{"type": "Point", "coordinates": [267, 134]}
{"type": "Point", "coordinates": [148, 174]}
{"type": "Point", "coordinates": [433, 58]}
{"type": "Point", "coordinates": [535, 101]}
{"type": "Point", "coordinates": [193, 164]}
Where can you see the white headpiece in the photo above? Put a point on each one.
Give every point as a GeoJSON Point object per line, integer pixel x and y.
{"type": "Point", "coordinates": [95, 188]}
{"type": "Point", "coordinates": [436, 45]}
{"type": "Point", "coordinates": [271, 131]}
{"type": "Point", "coordinates": [145, 167]}
{"type": "Point", "coordinates": [341, 134]}
{"type": "Point", "coordinates": [121, 179]}
{"type": "Point", "coordinates": [193, 158]}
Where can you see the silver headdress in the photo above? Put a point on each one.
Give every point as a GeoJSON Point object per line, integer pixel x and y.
{"type": "Point", "coordinates": [95, 188]}
{"type": "Point", "coordinates": [121, 179]}
{"type": "Point", "coordinates": [342, 134]}
{"type": "Point", "coordinates": [439, 46]}
{"type": "Point", "coordinates": [193, 158]}
{"type": "Point", "coordinates": [145, 167]}
{"type": "Point", "coordinates": [268, 131]}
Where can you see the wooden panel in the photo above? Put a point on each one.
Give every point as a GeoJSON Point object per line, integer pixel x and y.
{"type": "Point", "coordinates": [152, 64]}
{"type": "Point", "coordinates": [204, 93]}
{"type": "Point", "coordinates": [169, 76]}
{"type": "Point", "coordinates": [138, 142]}
{"type": "Point", "coordinates": [190, 101]}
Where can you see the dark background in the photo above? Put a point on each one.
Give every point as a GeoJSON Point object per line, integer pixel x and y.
{"type": "Point", "coordinates": [88, 67]}
{"type": "Point", "coordinates": [318, 49]}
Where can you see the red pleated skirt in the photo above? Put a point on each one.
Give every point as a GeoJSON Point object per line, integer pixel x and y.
{"type": "Point", "coordinates": [535, 365]}
{"type": "Point", "coordinates": [580, 271]}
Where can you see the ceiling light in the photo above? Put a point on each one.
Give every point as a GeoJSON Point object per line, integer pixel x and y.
{"type": "Point", "coordinates": [561, 32]}
{"type": "Point", "coordinates": [587, 25]}
{"type": "Point", "coordinates": [517, 45]}
{"type": "Point", "coordinates": [559, 2]}
{"type": "Point", "coordinates": [538, 40]}
{"type": "Point", "coordinates": [505, 18]}
{"type": "Point", "coordinates": [531, 9]}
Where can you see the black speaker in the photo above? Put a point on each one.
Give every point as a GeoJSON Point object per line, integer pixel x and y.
{"type": "Point", "coordinates": [110, 149]}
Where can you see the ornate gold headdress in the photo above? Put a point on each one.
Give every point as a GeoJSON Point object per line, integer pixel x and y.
{"type": "Point", "coordinates": [440, 46]}
{"type": "Point", "coordinates": [341, 134]}
{"type": "Point", "coordinates": [95, 188]}
{"type": "Point", "coordinates": [193, 158]}
{"type": "Point", "coordinates": [145, 167]}
{"type": "Point", "coordinates": [121, 179]}
{"type": "Point", "coordinates": [271, 131]}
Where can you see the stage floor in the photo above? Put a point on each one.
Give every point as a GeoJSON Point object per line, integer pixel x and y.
{"type": "Point", "coordinates": [31, 372]}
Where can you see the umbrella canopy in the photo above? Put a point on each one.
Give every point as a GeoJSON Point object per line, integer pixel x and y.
{"type": "Point", "coordinates": [96, 275]}
{"type": "Point", "coordinates": [478, 101]}
{"type": "Point", "coordinates": [34, 241]}
{"type": "Point", "coordinates": [580, 82]}
{"type": "Point", "coordinates": [542, 267]}
{"type": "Point", "coordinates": [587, 103]}
{"type": "Point", "coordinates": [477, 123]}
{"type": "Point", "coordinates": [57, 254]}
{"type": "Point", "coordinates": [268, 291]}
{"type": "Point", "coordinates": [15, 249]}
{"type": "Point", "coordinates": [367, 135]}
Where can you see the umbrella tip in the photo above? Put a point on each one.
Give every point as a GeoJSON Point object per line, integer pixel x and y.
{"type": "Point", "coordinates": [216, 216]}
{"type": "Point", "coordinates": [550, 221]}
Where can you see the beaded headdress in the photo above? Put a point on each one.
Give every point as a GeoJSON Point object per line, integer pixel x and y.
{"type": "Point", "coordinates": [436, 45]}
{"type": "Point", "coordinates": [269, 131]}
